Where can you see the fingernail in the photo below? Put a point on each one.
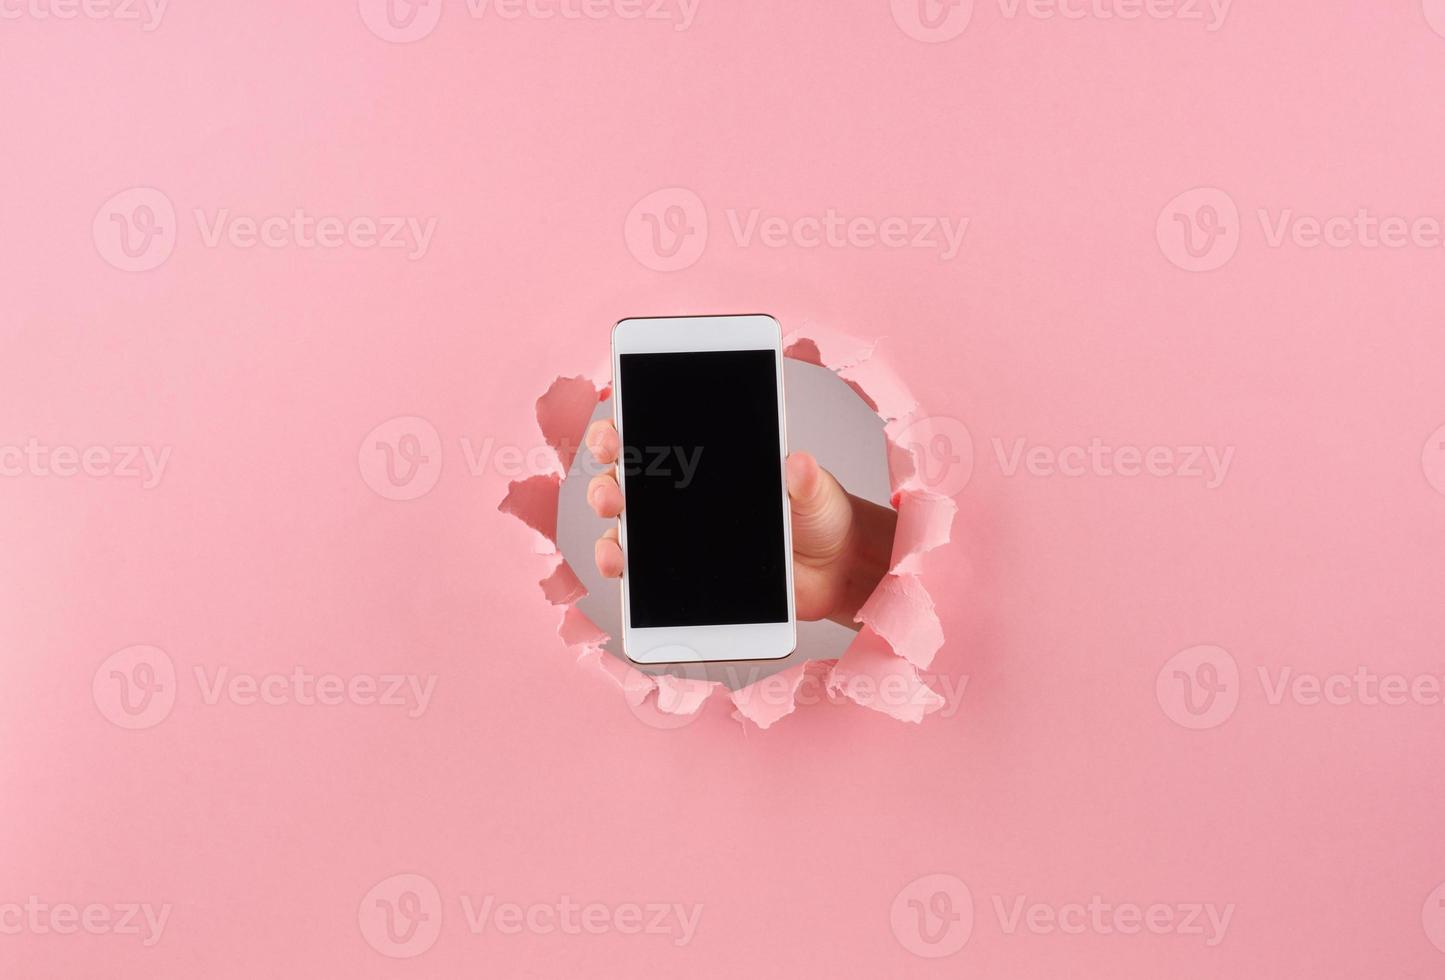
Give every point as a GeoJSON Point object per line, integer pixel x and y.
{"type": "Point", "coordinates": [799, 471]}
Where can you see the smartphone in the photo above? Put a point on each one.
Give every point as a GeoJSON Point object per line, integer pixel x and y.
{"type": "Point", "coordinates": [705, 533]}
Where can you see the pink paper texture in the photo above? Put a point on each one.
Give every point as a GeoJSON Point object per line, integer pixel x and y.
{"type": "Point", "coordinates": [281, 284]}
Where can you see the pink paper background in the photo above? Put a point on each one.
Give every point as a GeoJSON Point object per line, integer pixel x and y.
{"type": "Point", "coordinates": [1061, 775]}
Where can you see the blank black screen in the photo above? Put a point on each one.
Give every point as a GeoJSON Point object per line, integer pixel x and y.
{"type": "Point", "coordinates": [703, 489]}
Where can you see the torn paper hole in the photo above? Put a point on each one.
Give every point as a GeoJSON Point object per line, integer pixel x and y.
{"type": "Point", "coordinates": [847, 407]}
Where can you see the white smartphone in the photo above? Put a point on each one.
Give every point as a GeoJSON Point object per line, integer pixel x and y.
{"type": "Point", "coordinates": [706, 539]}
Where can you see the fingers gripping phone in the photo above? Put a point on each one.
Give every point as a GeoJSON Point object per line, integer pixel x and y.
{"type": "Point", "coordinates": [705, 533]}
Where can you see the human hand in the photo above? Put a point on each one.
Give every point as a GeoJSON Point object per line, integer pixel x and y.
{"type": "Point", "coordinates": [841, 543]}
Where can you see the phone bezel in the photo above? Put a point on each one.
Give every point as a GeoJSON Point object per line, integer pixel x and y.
{"type": "Point", "coordinates": [705, 644]}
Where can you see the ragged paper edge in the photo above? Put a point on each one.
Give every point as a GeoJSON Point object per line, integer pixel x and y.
{"type": "Point", "coordinates": [563, 413]}
{"type": "Point", "coordinates": [566, 400]}
{"type": "Point", "coordinates": [900, 629]}
{"type": "Point", "coordinates": [899, 633]}
{"type": "Point", "coordinates": [870, 673]}
{"type": "Point", "coordinates": [533, 501]}
{"type": "Point", "coordinates": [768, 701]}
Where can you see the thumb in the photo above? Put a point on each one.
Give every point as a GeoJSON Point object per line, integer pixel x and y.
{"type": "Point", "coordinates": [821, 512]}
